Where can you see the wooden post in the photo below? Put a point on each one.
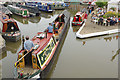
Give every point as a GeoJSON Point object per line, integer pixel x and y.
{"type": "Point", "coordinates": [46, 34]}
{"type": "Point", "coordinates": [23, 40]}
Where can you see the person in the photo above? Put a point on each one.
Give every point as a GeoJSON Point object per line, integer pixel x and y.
{"type": "Point", "coordinates": [63, 18]}
{"type": "Point", "coordinates": [50, 28]}
{"type": "Point", "coordinates": [108, 21]}
{"type": "Point", "coordinates": [90, 11]}
{"type": "Point", "coordinates": [100, 21]}
{"type": "Point", "coordinates": [28, 45]}
{"type": "Point", "coordinates": [114, 21]}
{"type": "Point", "coordinates": [85, 18]}
{"type": "Point", "coordinates": [92, 8]}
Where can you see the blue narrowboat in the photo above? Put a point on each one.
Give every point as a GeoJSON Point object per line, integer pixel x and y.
{"type": "Point", "coordinates": [41, 6]}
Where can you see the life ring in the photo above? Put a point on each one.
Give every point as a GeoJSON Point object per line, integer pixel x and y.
{"type": "Point", "coordinates": [5, 19]}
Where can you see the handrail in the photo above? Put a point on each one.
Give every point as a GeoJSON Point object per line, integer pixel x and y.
{"type": "Point", "coordinates": [21, 59]}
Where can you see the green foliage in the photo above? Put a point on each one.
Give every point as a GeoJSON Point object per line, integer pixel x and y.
{"type": "Point", "coordinates": [101, 4]}
{"type": "Point", "coordinates": [110, 14]}
{"type": "Point", "coordinates": [113, 8]}
{"type": "Point", "coordinates": [118, 14]}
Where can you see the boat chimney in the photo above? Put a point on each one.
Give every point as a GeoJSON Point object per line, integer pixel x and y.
{"type": "Point", "coordinates": [46, 34]}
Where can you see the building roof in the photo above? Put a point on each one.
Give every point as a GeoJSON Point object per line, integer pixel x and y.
{"type": "Point", "coordinates": [114, 1]}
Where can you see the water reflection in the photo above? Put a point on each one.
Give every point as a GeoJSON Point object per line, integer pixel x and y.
{"type": "Point", "coordinates": [3, 55]}
{"type": "Point", "coordinates": [84, 42]}
{"type": "Point", "coordinates": [35, 19]}
{"type": "Point", "coordinates": [105, 37]}
{"type": "Point", "coordinates": [13, 46]}
{"type": "Point", "coordinates": [46, 15]}
{"type": "Point", "coordinates": [111, 38]}
{"type": "Point", "coordinates": [49, 15]}
{"type": "Point", "coordinates": [114, 56]}
{"type": "Point", "coordinates": [57, 12]}
{"type": "Point", "coordinates": [20, 19]}
{"type": "Point", "coordinates": [56, 57]}
{"type": "Point", "coordinates": [75, 28]}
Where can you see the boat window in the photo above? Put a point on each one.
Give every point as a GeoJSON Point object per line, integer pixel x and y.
{"type": "Point", "coordinates": [11, 27]}
{"type": "Point", "coordinates": [77, 18]}
{"type": "Point", "coordinates": [34, 60]}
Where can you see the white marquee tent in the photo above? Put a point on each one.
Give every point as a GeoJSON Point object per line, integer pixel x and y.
{"type": "Point", "coordinates": [114, 3]}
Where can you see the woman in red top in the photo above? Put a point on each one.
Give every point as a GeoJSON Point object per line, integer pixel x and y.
{"type": "Point", "coordinates": [85, 18]}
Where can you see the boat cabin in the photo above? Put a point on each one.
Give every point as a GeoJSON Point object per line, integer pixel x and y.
{"type": "Point", "coordinates": [19, 11]}
{"type": "Point", "coordinates": [78, 18]}
{"type": "Point", "coordinates": [9, 28]}
{"type": "Point", "coordinates": [34, 11]}
{"type": "Point", "coordinates": [7, 25]}
{"type": "Point", "coordinates": [42, 6]}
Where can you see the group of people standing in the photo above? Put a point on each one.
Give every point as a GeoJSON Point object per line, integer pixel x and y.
{"type": "Point", "coordinates": [98, 17]}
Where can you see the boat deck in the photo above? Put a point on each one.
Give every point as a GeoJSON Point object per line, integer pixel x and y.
{"type": "Point", "coordinates": [41, 42]}
{"type": "Point", "coordinates": [27, 70]}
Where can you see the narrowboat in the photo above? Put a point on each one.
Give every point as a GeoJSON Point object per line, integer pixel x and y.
{"type": "Point", "coordinates": [56, 5]}
{"type": "Point", "coordinates": [9, 28]}
{"type": "Point", "coordinates": [78, 19]}
{"type": "Point", "coordinates": [30, 65]}
{"type": "Point", "coordinates": [33, 11]}
{"type": "Point", "coordinates": [41, 6]}
{"type": "Point", "coordinates": [19, 11]}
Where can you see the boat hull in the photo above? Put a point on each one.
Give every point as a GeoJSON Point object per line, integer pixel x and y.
{"type": "Point", "coordinates": [34, 11]}
{"type": "Point", "coordinates": [12, 38]}
{"type": "Point", "coordinates": [61, 39]}
{"type": "Point", "coordinates": [77, 23]}
{"type": "Point", "coordinates": [49, 11]}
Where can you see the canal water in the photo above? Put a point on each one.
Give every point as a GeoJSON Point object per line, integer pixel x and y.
{"type": "Point", "coordinates": [78, 58]}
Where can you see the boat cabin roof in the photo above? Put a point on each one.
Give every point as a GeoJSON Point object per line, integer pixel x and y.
{"type": "Point", "coordinates": [16, 7]}
{"type": "Point", "coordinates": [8, 23]}
{"type": "Point", "coordinates": [79, 14]}
{"type": "Point", "coordinates": [41, 43]}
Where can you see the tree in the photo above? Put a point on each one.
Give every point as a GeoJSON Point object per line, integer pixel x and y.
{"type": "Point", "coordinates": [101, 4]}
